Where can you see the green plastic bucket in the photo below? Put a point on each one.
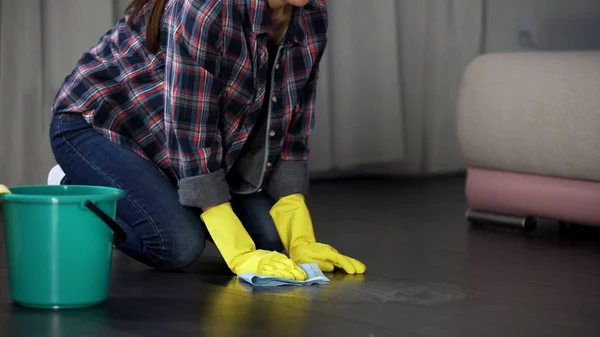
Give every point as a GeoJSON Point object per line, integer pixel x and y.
{"type": "Point", "coordinates": [59, 242]}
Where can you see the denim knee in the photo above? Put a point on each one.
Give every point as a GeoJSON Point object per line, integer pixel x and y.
{"type": "Point", "coordinates": [179, 254]}
{"type": "Point", "coordinates": [269, 241]}
{"type": "Point", "coordinates": [176, 244]}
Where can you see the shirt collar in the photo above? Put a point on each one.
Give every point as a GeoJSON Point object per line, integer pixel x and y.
{"type": "Point", "coordinates": [260, 19]}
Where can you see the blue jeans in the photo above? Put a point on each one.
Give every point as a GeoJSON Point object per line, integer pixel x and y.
{"type": "Point", "coordinates": [161, 233]}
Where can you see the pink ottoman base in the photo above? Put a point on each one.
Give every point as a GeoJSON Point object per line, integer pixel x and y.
{"type": "Point", "coordinates": [518, 194]}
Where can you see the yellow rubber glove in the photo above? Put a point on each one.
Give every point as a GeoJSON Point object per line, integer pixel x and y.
{"type": "Point", "coordinates": [295, 228]}
{"type": "Point", "coordinates": [239, 251]}
{"type": "Point", "coordinates": [4, 189]}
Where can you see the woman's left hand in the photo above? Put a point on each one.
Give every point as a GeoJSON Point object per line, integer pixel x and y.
{"type": "Point", "coordinates": [293, 222]}
{"type": "Point", "coordinates": [326, 257]}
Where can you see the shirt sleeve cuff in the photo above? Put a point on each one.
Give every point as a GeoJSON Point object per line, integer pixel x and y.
{"type": "Point", "coordinates": [288, 177]}
{"type": "Point", "coordinates": [204, 191]}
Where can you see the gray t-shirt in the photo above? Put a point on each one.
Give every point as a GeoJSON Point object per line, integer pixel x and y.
{"type": "Point", "coordinates": [247, 170]}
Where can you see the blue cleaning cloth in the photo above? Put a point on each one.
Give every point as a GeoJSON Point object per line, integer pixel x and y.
{"type": "Point", "coordinates": [315, 276]}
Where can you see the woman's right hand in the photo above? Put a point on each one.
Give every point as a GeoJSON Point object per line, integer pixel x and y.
{"type": "Point", "coordinates": [268, 263]}
{"type": "Point", "coordinates": [239, 251]}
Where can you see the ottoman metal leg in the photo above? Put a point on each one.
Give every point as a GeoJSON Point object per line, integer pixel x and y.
{"type": "Point", "coordinates": [527, 223]}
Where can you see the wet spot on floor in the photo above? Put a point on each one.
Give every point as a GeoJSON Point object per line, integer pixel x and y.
{"type": "Point", "coordinates": [355, 291]}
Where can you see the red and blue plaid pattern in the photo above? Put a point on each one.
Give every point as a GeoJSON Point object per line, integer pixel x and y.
{"type": "Point", "coordinates": [191, 107]}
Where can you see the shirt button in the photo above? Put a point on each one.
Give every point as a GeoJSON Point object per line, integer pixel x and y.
{"type": "Point", "coordinates": [259, 190]}
{"type": "Point", "coordinates": [269, 164]}
{"type": "Point", "coordinates": [277, 66]}
{"type": "Point", "coordinates": [274, 99]}
{"type": "Point", "coordinates": [272, 133]}
{"type": "Point", "coordinates": [227, 89]}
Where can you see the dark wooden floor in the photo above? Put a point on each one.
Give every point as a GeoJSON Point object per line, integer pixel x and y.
{"type": "Point", "coordinates": [429, 275]}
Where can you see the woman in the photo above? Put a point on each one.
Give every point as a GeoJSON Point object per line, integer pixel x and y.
{"type": "Point", "coordinates": [200, 110]}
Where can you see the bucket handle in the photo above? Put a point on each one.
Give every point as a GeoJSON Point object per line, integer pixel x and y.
{"type": "Point", "coordinates": [120, 235]}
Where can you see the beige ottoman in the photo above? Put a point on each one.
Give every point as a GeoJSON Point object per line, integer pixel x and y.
{"type": "Point", "coordinates": [529, 129]}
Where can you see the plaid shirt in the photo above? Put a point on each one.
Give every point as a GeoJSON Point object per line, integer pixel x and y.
{"type": "Point", "coordinates": [191, 107]}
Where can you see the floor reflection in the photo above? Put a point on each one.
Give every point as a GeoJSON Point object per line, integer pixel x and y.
{"type": "Point", "coordinates": [25, 322]}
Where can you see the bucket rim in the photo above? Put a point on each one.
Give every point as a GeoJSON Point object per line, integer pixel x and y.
{"type": "Point", "coordinates": [97, 193]}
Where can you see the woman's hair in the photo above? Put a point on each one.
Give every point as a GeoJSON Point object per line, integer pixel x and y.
{"type": "Point", "coordinates": [153, 22]}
